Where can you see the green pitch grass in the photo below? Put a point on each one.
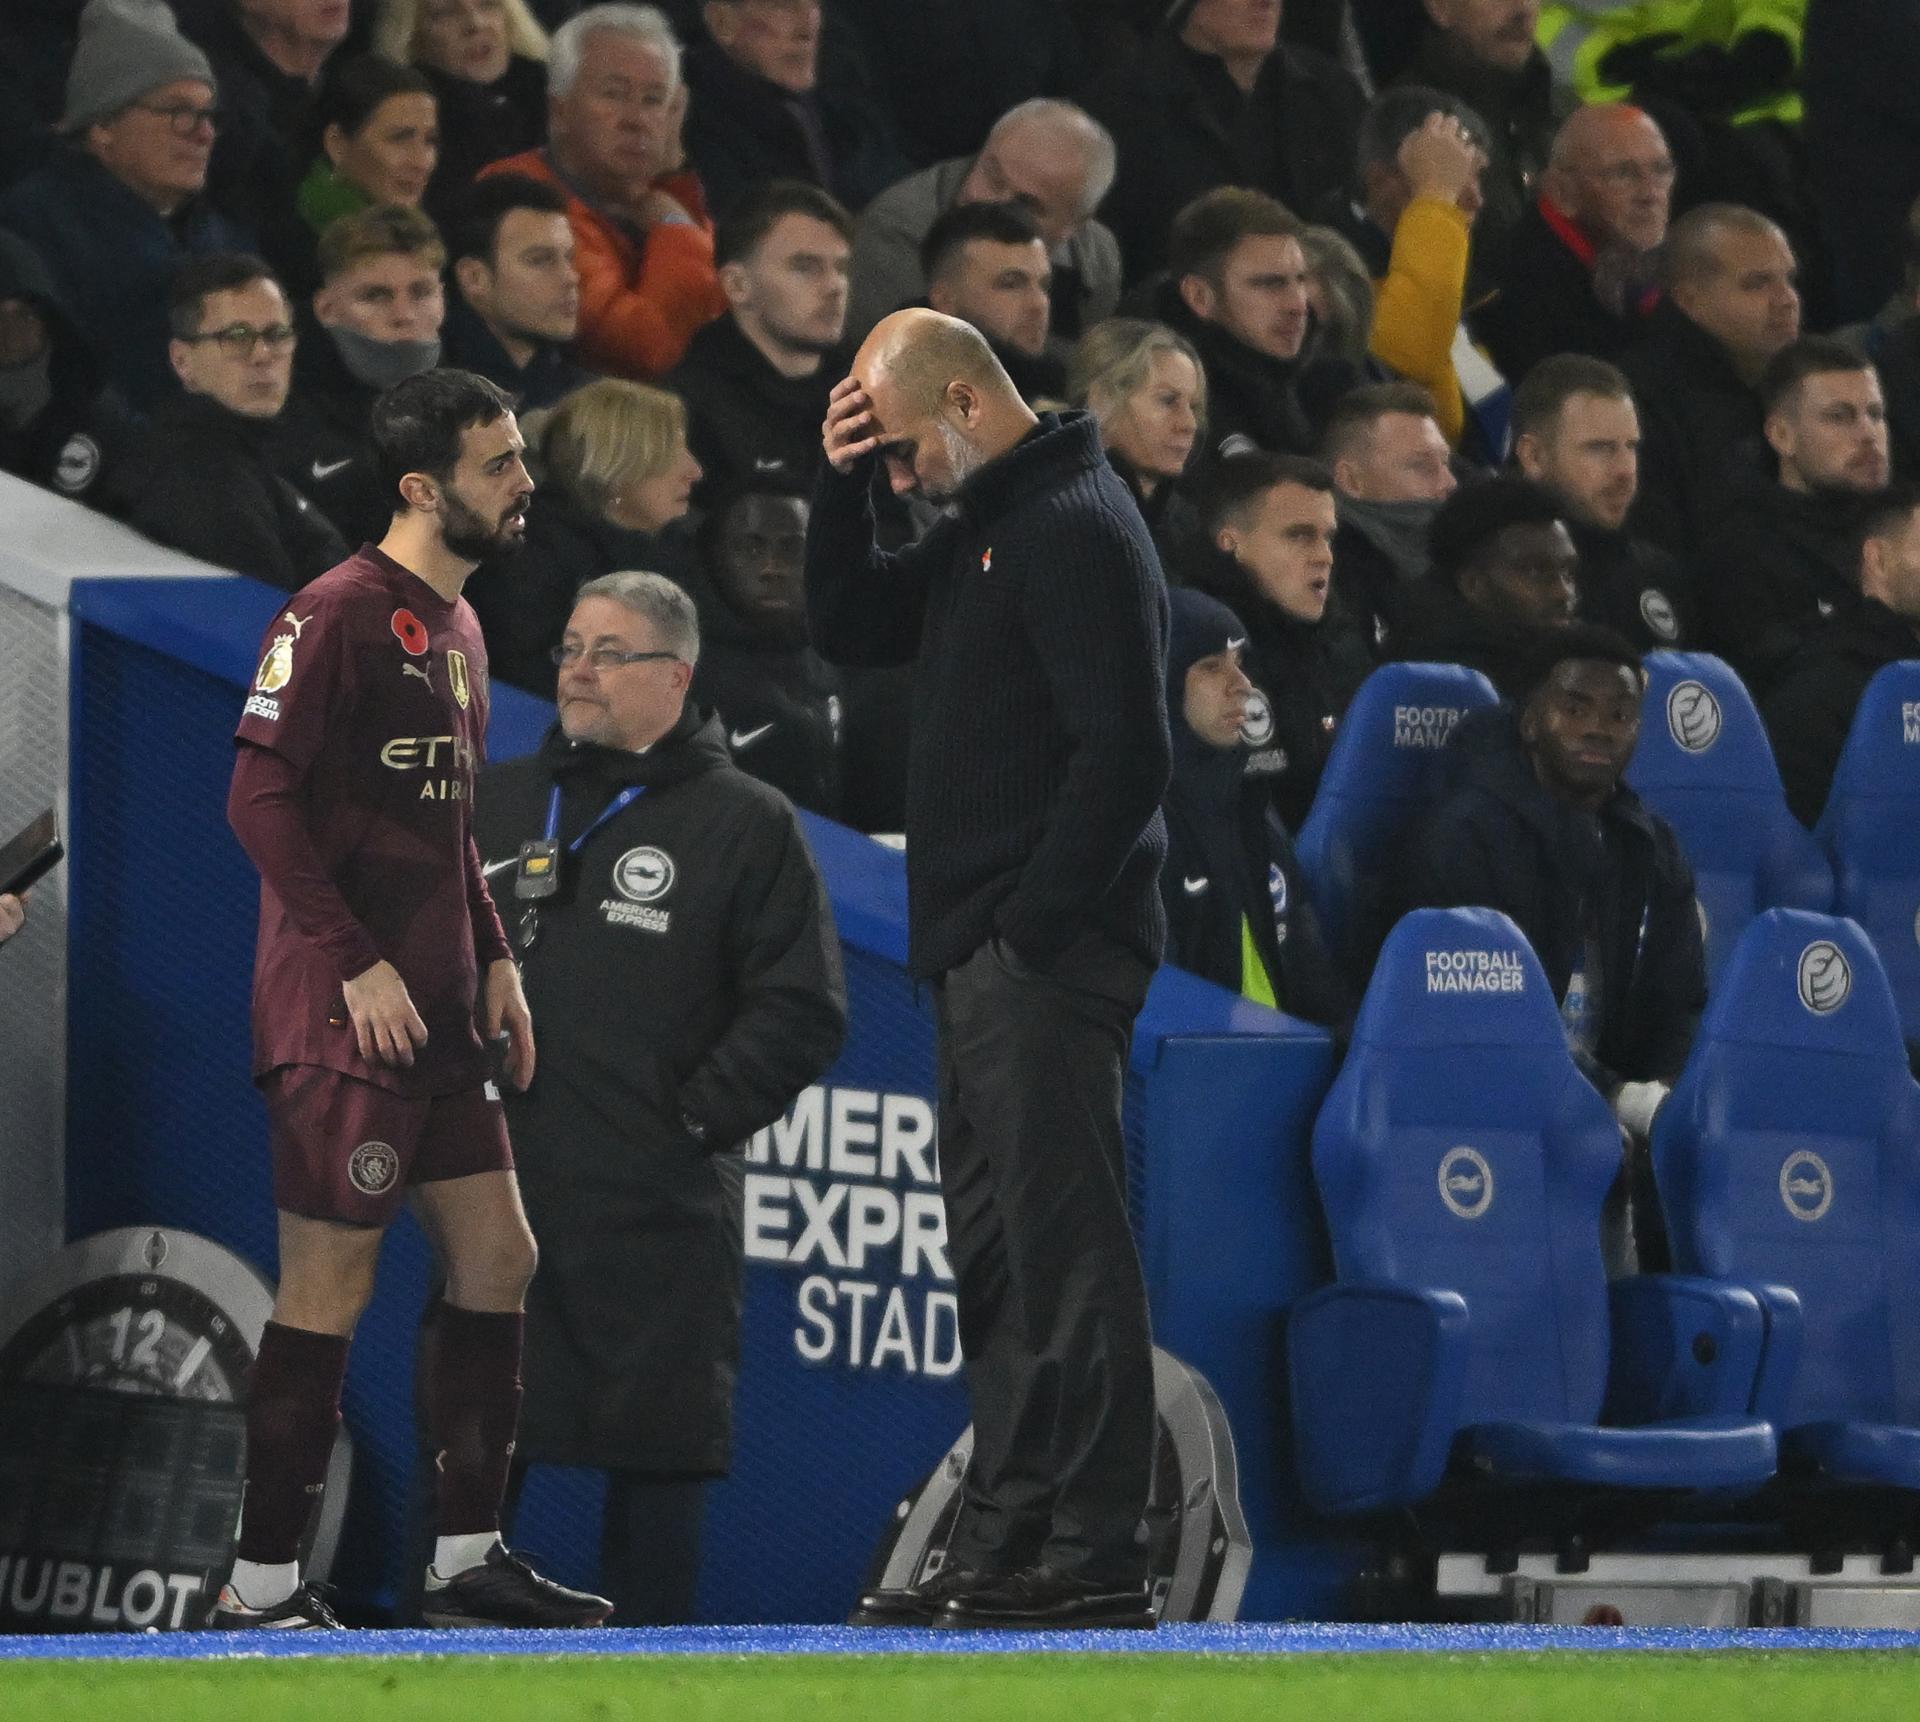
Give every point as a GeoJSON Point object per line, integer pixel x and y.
{"type": "Point", "coordinates": [1383, 1687]}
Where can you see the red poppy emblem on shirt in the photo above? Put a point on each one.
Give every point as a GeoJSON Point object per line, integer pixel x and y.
{"type": "Point", "coordinates": [986, 561]}
{"type": "Point", "coordinates": [410, 631]}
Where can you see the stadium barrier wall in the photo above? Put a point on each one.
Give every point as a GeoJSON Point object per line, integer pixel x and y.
{"type": "Point", "coordinates": [850, 1386]}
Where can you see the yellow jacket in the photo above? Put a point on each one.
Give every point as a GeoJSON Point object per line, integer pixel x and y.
{"type": "Point", "coordinates": [1418, 304]}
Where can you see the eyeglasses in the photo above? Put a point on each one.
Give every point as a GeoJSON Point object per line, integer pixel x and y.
{"type": "Point", "coordinates": [606, 657]}
{"type": "Point", "coordinates": [238, 340]}
{"type": "Point", "coordinates": [1634, 173]}
{"type": "Point", "coordinates": [183, 117]}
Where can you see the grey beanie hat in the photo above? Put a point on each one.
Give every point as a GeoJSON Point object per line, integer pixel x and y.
{"type": "Point", "coordinates": [127, 47]}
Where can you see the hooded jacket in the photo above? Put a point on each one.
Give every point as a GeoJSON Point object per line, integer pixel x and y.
{"type": "Point", "coordinates": [1810, 711]}
{"type": "Point", "coordinates": [780, 704]}
{"type": "Point", "coordinates": [83, 431]}
{"type": "Point", "coordinates": [743, 416]}
{"type": "Point", "coordinates": [1306, 673]}
{"type": "Point", "coordinates": [202, 480]}
{"type": "Point", "coordinates": [1500, 839]}
{"type": "Point", "coordinates": [1231, 872]}
{"type": "Point", "coordinates": [687, 969]}
{"type": "Point", "coordinates": [1779, 564]}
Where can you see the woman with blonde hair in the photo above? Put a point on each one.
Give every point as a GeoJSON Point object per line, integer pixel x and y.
{"type": "Point", "coordinates": [613, 480]}
{"type": "Point", "coordinates": [486, 61]}
{"type": "Point", "coordinates": [1143, 384]}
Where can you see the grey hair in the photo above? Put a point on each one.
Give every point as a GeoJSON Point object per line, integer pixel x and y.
{"type": "Point", "coordinates": [658, 601]}
{"type": "Point", "coordinates": [1066, 120]}
{"type": "Point", "coordinates": [645, 24]}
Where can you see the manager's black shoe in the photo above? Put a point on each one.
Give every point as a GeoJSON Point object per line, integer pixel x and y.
{"type": "Point", "coordinates": [1042, 1598]}
{"type": "Point", "coordinates": [504, 1591]}
{"type": "Point", "coordinates": [917, 1604]}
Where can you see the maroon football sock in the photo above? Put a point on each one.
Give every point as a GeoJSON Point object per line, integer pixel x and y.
{"type": "Point", "coordinates": [472, 1403]}
{"type": "Point", "coordinates": [293, 1409]}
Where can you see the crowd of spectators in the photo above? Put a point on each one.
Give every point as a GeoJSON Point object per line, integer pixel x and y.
{"type": "Point", "coordinates": [1417, 328]}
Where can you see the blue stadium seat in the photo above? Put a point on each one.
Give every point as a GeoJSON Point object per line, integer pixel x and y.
{"type": "Point", "coordinates": [1705, 766]}
{"type": "Point", "coordinates": [1384, 769]}
{"type": "Point", "coordinates": [1869, 828]}
{"type": "Point", "coordinates": [1789, 1153]}
{"type": "Point", "coordinates": [1462, 1160]}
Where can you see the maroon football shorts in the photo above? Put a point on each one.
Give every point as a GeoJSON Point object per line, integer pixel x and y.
{"type": "Point", "coordinates": [347, 1150]}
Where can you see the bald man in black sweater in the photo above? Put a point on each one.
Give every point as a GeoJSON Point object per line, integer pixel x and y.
{"type": "Point", "coordinates": [1038, 616]}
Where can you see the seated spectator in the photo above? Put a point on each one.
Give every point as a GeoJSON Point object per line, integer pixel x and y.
{"type": "Point", "coordinates": [1237, 909]}
{"type": "Point", "coordinates": [1482, 52]}
{"type": "Point", "coordinates": [1810, 710]}
{"type": "Point", "coordinates": [756, 380]}
{"type": "Point", "coordinates": [1542, 827]}
{"type": "Point", "coordinates": [762, 109]}
{"type": "Point", "coordinates": [781, 702]}
{"type": "Point", "coordinates": [643, 239]}
{"type": "Point", "coordinates": [516, 301]}
{"type": "Point", "coordinates": [1145, 386]}
{"type": "Point", "coordinates": [1730, 304]}
{"type": "Point", "coordinates": [203, 479]}
{"type": "Point", "coordinates": [1215, 99]}
{"type": "Point", "coordinates": [1268, 554]}
{"type": "Point", "coordinates": [1575, 431]}
{"type": "Point", "coordinates": [117, 206]}
{"type": "Point", "coordinates": [60, 426]}
{"type": "Point", "coordinates": [1237, 289]}
{"type": "Point", "coordinates": [1785, 554]}
{"type": "Point", "coordinates": [267, 59]}
{"type": "Point", "coordinates": [1892, 341]}
{"type": "Point", "coordinates": [375, 321]}
{"type": "Point", "coordinates": [376, 139]}
{"type": "Point", "coordinates": [1340, 295]}
{"type": "Point", "coordinates": [486, 63]}
{"type": "Point", "coordinates": [1391, 472]}
{"type": "Point", "coordinates": [986, 264]}
{"type": "Point", "coordinates": [1421, 158]}
{"type": "Point", "coordinates": [615, 479]}
{"type": "Point", "coordinates": [1504, 570]}
{"type": "Point", "coordinates": [1050, 157]}
{"type": "Point", "coordinates": [1580, 267]}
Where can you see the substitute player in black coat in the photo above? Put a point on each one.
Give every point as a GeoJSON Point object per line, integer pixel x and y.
{"type": "Point", "coordinates": [689, 985]}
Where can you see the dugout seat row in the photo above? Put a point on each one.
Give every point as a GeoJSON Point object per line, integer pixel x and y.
{"type": "Point", "coordinates": [1471, 1345]}
{"type": "Point", "coordinates": [1704, 764]}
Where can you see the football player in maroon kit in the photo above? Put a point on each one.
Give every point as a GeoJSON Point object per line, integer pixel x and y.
{"type": "Point", "coordinates": [380, 957]}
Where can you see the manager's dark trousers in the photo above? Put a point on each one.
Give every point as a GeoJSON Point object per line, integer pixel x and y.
{"type": "Point", "coordinates": [1053, 1309]}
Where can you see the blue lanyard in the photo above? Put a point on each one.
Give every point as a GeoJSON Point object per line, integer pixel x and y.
{"type": "Point", "coordinates": [623, 799]}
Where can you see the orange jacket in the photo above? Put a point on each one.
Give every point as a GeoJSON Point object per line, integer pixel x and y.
{"type": "Point", "coordinates": [641, 298]}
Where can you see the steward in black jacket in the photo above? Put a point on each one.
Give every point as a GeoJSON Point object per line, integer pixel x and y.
{"type": "Point", "coordinates": [1608, 895]}
{"type": "Point", "coordinates": [686, 976]}
{"type": "Point", "coordinates": [202, 480]}
{"type": "Point", "coordinates": [1810, 711]}
{"type": "Point", "coordinates": [1237, 909]}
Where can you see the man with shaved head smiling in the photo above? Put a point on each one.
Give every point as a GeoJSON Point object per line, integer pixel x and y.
{"type": "Point", "coordinates": [1038, 615]}
{"type": "Point", "coordinates": [1579, 274]}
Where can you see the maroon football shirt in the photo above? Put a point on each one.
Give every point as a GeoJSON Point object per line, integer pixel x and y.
{"type": "Point", "coordinates": [365, 725]}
